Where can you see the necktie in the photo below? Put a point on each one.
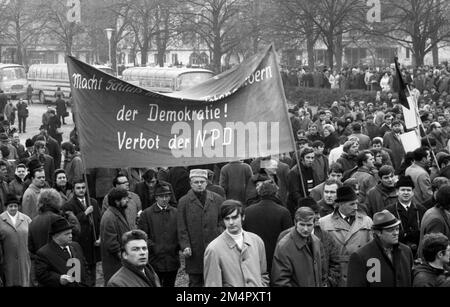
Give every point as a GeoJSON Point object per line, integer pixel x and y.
{"type": "Point", "coordinates": [83, 203]}
{"type": "Point", "coordinates": [349, 220]}
{"type": "Point", "coordinates": [66, 251]}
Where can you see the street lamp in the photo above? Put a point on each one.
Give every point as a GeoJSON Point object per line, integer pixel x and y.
{"type": "Point", "coordinates": [109, 32]}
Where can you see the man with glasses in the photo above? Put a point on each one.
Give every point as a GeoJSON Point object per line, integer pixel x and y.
{"type": "Point", "coordinates": [384, 262]}
{"type": "Point", "coordinates": [134, 207]}
{"type": "Point", "coordinates": [198, 224]}
{"type": "Point", "coordinates": [88, 214]}
{"type": "Point", "coordinates": [159, 222]}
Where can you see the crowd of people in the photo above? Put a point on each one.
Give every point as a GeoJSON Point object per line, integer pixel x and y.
{"type": "Point", "coordinates": [348, 208]}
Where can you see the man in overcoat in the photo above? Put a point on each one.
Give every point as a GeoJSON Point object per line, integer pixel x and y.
{"type": "Point", "coordinates": [198, 224]}
{"type": "Point", "coordinates": [384, 262]}
{"type": "Point", "coordinates": [52, 262]}
{"type": "Point", "coordinates": [112, 226]}
{"type": "Point", "coordinates": [88, 215]}
{"type": "Point", "coordinates": [349, 228]}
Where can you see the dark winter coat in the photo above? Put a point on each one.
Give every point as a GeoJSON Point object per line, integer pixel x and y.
{"type": "Point", "coordinates": [347, 161]}
{"type": "Point", "coordinates": [89, 232]}
{"type": "Point", "coordinates": [379, 197]}
{"type": "Point", "coordinates": [267, 219]}
{"type": "Point", "coordinates": [198, 225]}
{"type": "Point", "coordinates": [179, 179]}
{"type": "Point", "coordinates": [392, 274]}
{"type": "Point", "coordinates": [112, 226]}
{"type": "Point", "coordinates": [434, 220]}
{"type": "Point", "coordinates": [410, 226]}
{"type": "Point", "coordinates": [296, 265]}
{"type": "Point", "coordinates": [427, 276]}
{"type": "Point", "coordinates": [129, 276]}
{"type": "Point", "coordinates": [391, 142]}
{"type": "Point", "coordinates": [161, 229]}
{"type": "Point", "coordinates": [296, 188]}
{"type": "Point", "coordinates": [51, 264]}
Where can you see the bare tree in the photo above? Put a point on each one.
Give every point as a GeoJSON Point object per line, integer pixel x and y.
{"type": "Point", "coordinates": [217, 24]}
{"type": "Point", "coordinates": [57, 25]}
{"type": "Point", "coordinates": [419, 25]}
{"type": "Point", "coordinates": [23, 22]}
{"type": "Point", "coordinates": [165, 27]}
{"type": "Point", "coordinates": [333, 18]}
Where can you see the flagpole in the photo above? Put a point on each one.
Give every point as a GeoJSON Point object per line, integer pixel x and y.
{"type": "Point", "coordinates": [420, 124]}
{"type": "Point", "coordinates": [290, 125]}
{"type": "Point", "coordinates": [401, 93]}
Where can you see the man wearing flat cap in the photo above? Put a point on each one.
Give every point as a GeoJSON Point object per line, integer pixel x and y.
{"type": "Point", "coordinates": [408, 212]}
{"type": "Point", "coordinates": [198, 224]}
{"type": "Point", "coordinates": [159, 222]}
{"type": "Point", "coordinates": [384, 262]}
{"type": "Point", "coordinates": [53, 268]}
{"type": "Point", "coordinates": [349, 228]}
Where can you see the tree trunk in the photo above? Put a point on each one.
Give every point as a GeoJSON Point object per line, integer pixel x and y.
{"type": "Point", "coordinates": [330, 52]}
{"type": "Point", "coordinates": [144, 51]}
{"type": "Point", "coordinates": [339, 49]}
{"type": "Point", "coordinates": [310, 48]}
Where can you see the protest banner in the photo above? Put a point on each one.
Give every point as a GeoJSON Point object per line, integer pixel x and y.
{"type": "Point", "coordinates": [239, 114]}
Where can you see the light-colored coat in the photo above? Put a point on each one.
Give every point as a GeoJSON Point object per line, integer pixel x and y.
{"type": "Point", "coordinates": [14, 243]}
{"type": "Point", "coordinates": [348, 237]}
{"type": "Point", "coordinates": [30, 201]}
{"type": "Point", "coordinates": [226, 266]}
{"type": "Point", "coordinates": [422, 183]}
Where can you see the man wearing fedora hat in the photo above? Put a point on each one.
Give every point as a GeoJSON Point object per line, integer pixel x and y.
{"type": "Point", "coordinates": [159, 222]}
{"type": "Point", "coordinates": [384, 262]}
{"type": "Point", "coordinates": [349, 228]}
{"type": "Point", "coordinates": [408, 212]}
{"type": "Point", "coordinates": [53, 267]}
{"type": "Point", "coordinates": [198, 224]}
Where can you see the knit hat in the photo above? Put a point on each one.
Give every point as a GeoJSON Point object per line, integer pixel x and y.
{"type": "Point", "coordinates": [345, 194]}
{"type": "Point", "coordinates": [404, 181]}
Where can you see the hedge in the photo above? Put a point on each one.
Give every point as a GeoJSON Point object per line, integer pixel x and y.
{"type": "Point", "coordinates": [322, 97]}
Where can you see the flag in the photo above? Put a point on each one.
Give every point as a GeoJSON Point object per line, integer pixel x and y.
{"type": "Point", "coordinates": [401, 86]}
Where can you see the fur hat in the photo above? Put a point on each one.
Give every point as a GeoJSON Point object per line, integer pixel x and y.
{"type": "Point", "coordinates": [405, 181]}
{"type": "Point", "coordinates": [29, 143]}
{"type": "Point", "coordinates": [11, 199]}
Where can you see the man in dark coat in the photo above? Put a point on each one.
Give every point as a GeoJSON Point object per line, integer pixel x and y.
{"type": "Point", "coordinates": [267, 219]}
{"type": "Point", "coordinates": [383, 194]}
{"type": "Point", "coordinates": [431, 272]}
{"type": "Point", "coordinates": [198, 224]}
{"type": "Point", "coordinates": [437, 218]}
{"type": "Point", "coordinates": [298, 189]}
{"type": "Point", "coordinates": [391, 140]}
{"type": "Point", "coordinates": [112, 226]}
{"type": "Point", "coordinates": [384, 262]}
{"type": "Point", "coordinates": [135, 270]}
{"type": "Point", "coordinates": [3, 101]}
{"type": "Point", "coordinates": [146, 189]}
{"type": "Point", "coordinates": [53, 265]}
{"type": "Point", "coordinates": [179, 179]}
{"type": "Point", "coordinates": [61, 109]}
{"type": "Point", "coordinates": [299, 256]}
{"type": "Point", "coordinates": [88, 215]}
{"type": "Point", "coordinates": [409, 213]}
{"type": "Point", "coordinates": [159, 222]}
